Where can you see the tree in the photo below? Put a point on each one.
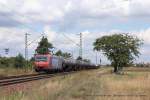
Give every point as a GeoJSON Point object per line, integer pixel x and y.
{"type": "Point", "coordinates": [79, 58]}
{"type": "Point", "coordinates": [19, 61]}
{"type": "Point", "coordinates": [67, 55]}
{"type": "Point", "coordinates": [7, 61]}
{"type": "Point", "coordinates": [44, 46]}
{"type": "Point", "coordinates": [4, 62]}
{"type": "Point", "coordinates": [63, 54]}
{"type": "Point", "coordinates": [32, 59]}
{"type": "Point", "coordinates": [120, 49]}
{"type": "Point", "coordinates": [59, 53]}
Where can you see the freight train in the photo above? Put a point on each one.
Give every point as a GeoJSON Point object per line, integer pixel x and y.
{"type": "Point", "coordinates": [51, 63]}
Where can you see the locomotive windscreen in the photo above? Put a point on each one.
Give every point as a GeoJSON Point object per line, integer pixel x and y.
{"type": "Point", "coordinates": [40, 58]}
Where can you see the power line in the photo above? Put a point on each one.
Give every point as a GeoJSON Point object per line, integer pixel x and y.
{"type": "Point", "coordinates": [35, 40]}
{"type": "Point", "coordinates": [71, 40]}
{"type": "Point", "coordinates": [79, 45]}
{"type": "Point", "coordinates": [28, 44]}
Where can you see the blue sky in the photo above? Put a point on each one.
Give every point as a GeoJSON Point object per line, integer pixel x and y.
{"type": "Point", "coordinates": [94, 18]}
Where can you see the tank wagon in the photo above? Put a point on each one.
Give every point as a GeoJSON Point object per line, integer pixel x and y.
{"type": "Point", "coordinates": [48, 62]}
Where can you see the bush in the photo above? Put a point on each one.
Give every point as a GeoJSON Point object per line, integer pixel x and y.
{"type": "Point", "coordinates": [19, 61]}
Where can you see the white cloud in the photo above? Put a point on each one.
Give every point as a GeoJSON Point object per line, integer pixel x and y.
{"type": "Point", "coordinates": [139, 8]}
{"type": "Point", "coordinates": [144, 35]}
{"type": "Point", "coordinates": [47, 11]}
{"type": "Point", "coordinates": [12, 38]}
{"type": "Point", "coordinates": [50, 34]}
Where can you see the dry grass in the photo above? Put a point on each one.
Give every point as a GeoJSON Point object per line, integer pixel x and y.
{"type": "Point", "coordinates": [14, 71]}
{"type": "Point", "coordinates": [90, 85]}
{"type": "Point", "coordinates": [128, 87]}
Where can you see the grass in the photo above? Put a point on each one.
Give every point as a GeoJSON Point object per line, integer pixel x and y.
{"type": "Point", "coordinates": [88, 85]}
{"type": "Point", "coordinates": [13, 71]}
{"type": "Point", "coordinates": [14, 96]}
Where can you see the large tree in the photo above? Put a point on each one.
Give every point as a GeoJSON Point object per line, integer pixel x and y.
{"type": "Point", "coordinates": [120, 49]}
{"type": "Point", "coordinates": [44, 46]}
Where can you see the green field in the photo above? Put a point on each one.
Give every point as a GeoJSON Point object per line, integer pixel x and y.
{"type": "Point", "coordinates": [98, 84]}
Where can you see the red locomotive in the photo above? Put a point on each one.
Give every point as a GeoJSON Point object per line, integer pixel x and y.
{"type": "Point", "coordinates": [48, 62]}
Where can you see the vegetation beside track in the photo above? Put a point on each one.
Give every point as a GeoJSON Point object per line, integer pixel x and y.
{"type": "Point", "coordinates": [14, 71]}
{"type": "Point", "coordinates": [15, 66]}
{"type": "Point", "coordinates": [88, 85]}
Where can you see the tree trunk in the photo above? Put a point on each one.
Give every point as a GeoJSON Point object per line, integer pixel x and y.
{"type": "Point", "coordinates": [115, 69]}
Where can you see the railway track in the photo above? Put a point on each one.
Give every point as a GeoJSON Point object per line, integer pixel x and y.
{"type": "Point", "coordinates": [4, 81]}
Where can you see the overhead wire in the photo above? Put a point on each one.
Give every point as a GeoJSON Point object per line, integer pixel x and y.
{"type": "Point", "coordinates": [35, 40]}
{"type": "Point", "coordinates": [70, 39]}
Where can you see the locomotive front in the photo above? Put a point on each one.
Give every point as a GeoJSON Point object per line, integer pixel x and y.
{"type": "Point", "coordinates": [42, 62]}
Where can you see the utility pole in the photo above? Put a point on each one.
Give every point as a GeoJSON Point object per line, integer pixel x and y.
{"type": "Point", "coordinates": [26, 46]}
{"type": "Point", "coordinates": [80, 50]}
{"type": "Point", "coordinates": [26, 50]}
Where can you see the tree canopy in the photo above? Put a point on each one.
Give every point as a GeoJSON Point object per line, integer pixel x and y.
{"type": "Point", "coordinates": [44, 46]}
{"type": "Point", "coordinates": [79, 58]}
{"type": "Point", "coordinates": [63, 54]}
{"type": "Point", "coordinates": [120, 49]}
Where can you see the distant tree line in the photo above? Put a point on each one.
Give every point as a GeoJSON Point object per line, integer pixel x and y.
{"type": "Point", "coordinates": [142, 64]}
{"type": "Point", "coordinates": [14, 62]}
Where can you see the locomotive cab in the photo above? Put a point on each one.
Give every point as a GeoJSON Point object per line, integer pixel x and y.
{"type": "Point", "coordinates": [42, 62]}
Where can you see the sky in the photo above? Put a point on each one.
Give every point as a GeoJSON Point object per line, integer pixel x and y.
{"type": "Point", "coordinates": [63, 19]}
